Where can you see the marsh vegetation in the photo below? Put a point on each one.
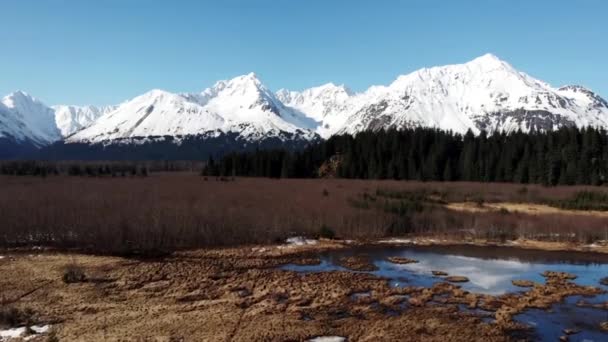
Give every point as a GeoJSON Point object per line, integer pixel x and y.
{"type": "Point", "coordinates": [164, 212]}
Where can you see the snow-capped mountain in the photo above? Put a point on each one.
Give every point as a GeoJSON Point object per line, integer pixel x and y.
{"type": "Point", "coordinates": [326, 104]}
{"type": "Point", "coordinates": [484, 94]}
{"type": "Point", "coordinates": [241, 105]}
{"type": "Point", "coordinates": [71, 119]}
{"type": "Point", "coordinates": [24, 119]}
{"type": "Point", "coordinates": [27, 124]}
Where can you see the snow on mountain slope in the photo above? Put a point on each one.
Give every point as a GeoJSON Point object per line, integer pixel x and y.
{"type": "Point", "coordinates": [325, 104]}
{"type": "Point", "coordinates": [241, 105]}
{"type": "Point", "coordinates": [70, 119]}
{"type": "Point", "coordinates": [8, 122]}
{"type": "Point", "coordinates": [26, 119]}
{"type": "Point", "coordinates": [244, 100]}
{"type": "Point", "coordinates": [484, 94]}
{"type": "Point", "coordinates": [155, 113]}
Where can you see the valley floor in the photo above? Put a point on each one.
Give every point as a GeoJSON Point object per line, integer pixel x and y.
{"type": "Point", "coordinates": [164, 212]}
{"type": "Point", "coordinates": [240, 294]}
{"type": "Point", "coordinates": [219, 245]}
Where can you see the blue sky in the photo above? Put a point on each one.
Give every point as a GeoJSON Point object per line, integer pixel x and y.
{"type": "Point", "coordinates": [106, 51]}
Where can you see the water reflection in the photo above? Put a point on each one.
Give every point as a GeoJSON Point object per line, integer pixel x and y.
{"type": "Point", "coordinates": [490, 271]}
{"type": "Point", "coordinates": [550, 325]}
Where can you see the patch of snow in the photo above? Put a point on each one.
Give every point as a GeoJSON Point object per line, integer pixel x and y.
{"type": "Point", "coordinates": [300, 241]}
{"type": "Point", "coordinates": [2, 257]}
{"type": "Point", "coordinates": [397, 241]}
{"type": "Point", "coordinates": [12, 333]}
{"type": "Point", "coordinates": [328, 339]}
{"type": "Point", "coordinates": [40, 329]}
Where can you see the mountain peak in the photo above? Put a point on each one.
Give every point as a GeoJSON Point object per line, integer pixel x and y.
{"type": "Point", "coordinates": [479, 68]}
{"type": "Point", "coordinates": [22, 101]}
{"type": "Point", "coordinates": [484, 94]}
{"type": "Point", "coordinates": [71, 119]}
{"type": "Point", "coordinates": [248, 85]}
{"type": "Point", "coordinates": [19, 95]}
{"type": "Point", "coordinates": [325, 90]}
{"type": "Point", "coordinates": [31, 120]}
{"type": "Point", "coordinates": [157, 93]}
{"type": "Point", "coordinates": [574, 87]}
{"type": "Point", "coordinates": [488, 61]}
{"type": "Point", "coordinates": [335, 88]}
{"type": "Point", "coordinates": [489, 57]}
{"type": "Point", "coordinates": [596, 101]}
{"type": "Point", "coordinates": [250, 77]}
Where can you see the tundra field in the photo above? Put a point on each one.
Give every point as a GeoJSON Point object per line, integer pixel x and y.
{"type": "Point", "coordinates": [164, 212]}
{"type": "Point", "coordinates": [181, 257]}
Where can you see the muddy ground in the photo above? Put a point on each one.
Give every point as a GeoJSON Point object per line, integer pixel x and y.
{"type": "Point", "coordinates": [240, 295]}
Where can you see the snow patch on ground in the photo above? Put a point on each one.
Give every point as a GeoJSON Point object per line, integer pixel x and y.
{"type": "Point", "coordinates": [300, 241]}
{"type": "Point", "coordinates": [2, 257]}
{"type": "Point", "coordinates": [397, 241]}
{"type": "Point", "coordinates": [8, 334]}
{"type": "Point", "coordinates": [328, 339]}
{"type": "Point", "coordinates": [597, 244]}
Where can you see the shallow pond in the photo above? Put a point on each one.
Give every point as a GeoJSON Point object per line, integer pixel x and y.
{"type": "Point", "coordinates": [490, 270]}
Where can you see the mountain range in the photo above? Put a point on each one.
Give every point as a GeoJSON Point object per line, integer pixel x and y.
{"type": "Point", "coordinates": [485, 94]}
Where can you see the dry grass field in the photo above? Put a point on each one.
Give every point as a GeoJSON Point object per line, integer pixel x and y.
{"type": "Point", "coordinates": [238, 294]}
{"type": "Point", "coordinates": [210, 272]}
{"type": "Point", "coordinates": [182, 210]}
{"type": "Point", "coordinates": [525, 208]}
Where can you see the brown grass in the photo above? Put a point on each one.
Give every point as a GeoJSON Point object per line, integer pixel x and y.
{"type": "Point", "coordinates": [239, 294]}
{"type": "Point", "coordinates": [226, 295]}
{"type": "Point", "coordinates": [168, 211]}
{"type": "Point", "coordinates": [525, 208]}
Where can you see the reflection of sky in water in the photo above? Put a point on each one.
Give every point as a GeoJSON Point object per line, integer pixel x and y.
{"type": "Point", "coordinates": [486, 276]}
{"type": "Point", "coordinates": [324, 266]}
{"type": "Point", "coordinates": [548, 326]}
{"type": "Point", "coordinates": [492, 275]}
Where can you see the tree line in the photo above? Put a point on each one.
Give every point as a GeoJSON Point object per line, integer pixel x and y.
{"type": "Point", "coordinates": [45, 169]}
{"type": "Point", "coordinates": [566, 156]}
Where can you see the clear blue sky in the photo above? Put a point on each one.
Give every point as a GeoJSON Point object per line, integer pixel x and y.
{"type": "Point", "coordinates": [106, 51]}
